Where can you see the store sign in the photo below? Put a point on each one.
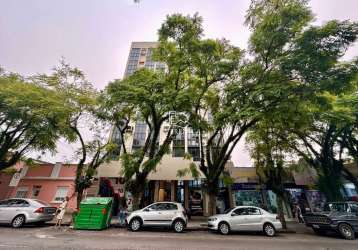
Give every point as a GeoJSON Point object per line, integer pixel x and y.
{"type": "Point", "coordinates": [17, 176]}
{"type": "Point", "coordinates": [15, 180]}
{"type": "Point", "coordinates": [247, 186]}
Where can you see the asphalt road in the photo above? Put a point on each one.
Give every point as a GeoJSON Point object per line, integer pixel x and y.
{"type": "Point", "coordinates": [114, 238]}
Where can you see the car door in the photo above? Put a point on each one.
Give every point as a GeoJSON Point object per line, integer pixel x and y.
{"type": "Point", "coordinates": [8, 210]}
{"type": "Point", "coordinates": [168, 213]}
{"type": "Point", "coordinates": [151, 214]}
{"type": "Point", "coordinates": [4, 217]}
{"type": "Point", "coordinates": [254, 219]}
{"type": "Point", "coordinates": [238, 219]}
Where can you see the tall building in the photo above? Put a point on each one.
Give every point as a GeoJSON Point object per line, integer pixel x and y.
{"type": "Point", "coordinates": [140, 55]}
{"type": "Point", "coordinates": [164, 183]}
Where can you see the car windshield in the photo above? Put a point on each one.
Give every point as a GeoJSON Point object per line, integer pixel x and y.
{"type": "Point", "coordinates": [227, 211]}
{"type": "Point", "coordinates": [335, 207]}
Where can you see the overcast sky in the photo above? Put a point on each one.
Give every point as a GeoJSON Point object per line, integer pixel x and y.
{"type": "Point", "coordinates": [95, 35]}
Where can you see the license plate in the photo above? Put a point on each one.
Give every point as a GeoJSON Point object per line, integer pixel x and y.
{"type": "Point", "coordinates": [315, 226]}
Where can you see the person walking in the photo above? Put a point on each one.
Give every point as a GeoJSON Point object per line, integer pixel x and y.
{"type": "Point", "coordinates": [298, 214]}
{"type": "Point", "coordinates": [122, 214]}
{"type": "Point", "coordinates": [61, 210]}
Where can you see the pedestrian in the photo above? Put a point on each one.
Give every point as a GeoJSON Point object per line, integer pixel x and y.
{"type": "Point", "coordinates": [123, 214]}
{"type": "Point", "coordinates": [298, 214]}
{"type": "Point", "coordinates": [60, 212]}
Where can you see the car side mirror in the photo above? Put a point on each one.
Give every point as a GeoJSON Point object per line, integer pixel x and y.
{"type": "Point", "coordinates": [146, 210]}
{"type": "Point", "coordinates": [233, 214]}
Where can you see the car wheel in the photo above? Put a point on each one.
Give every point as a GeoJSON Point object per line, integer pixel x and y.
{"type": "Point", "coordinates": [18, 221]}
{"type": "Point", "coordinates": [178, 226]}
{"type": "Point", "coordinates": [319, 231]}
{"type": "Point", "coordinates": [224, 228]}
{"type": "Point", "coordinates": [269, 230]}
{"type": "Point", "coordinates": [135, 224]}
{"type": "Point", "coordinates": [346, 231]}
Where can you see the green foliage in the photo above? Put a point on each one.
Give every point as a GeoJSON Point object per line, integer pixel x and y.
{"type": "Point", "coordinates": [308, 80]}
{"type": "Point", "coordinates": [32, 117]}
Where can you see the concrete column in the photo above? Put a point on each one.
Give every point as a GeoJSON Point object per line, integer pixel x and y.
{"type": "Point", "coordinates": [173, 190]}
{"type": "Point", "coordinates": [156, 191]}
{"type": "Point", "coordinates": [186, 195]}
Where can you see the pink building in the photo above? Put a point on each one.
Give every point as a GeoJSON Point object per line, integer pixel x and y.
{"type": "Point", "coordinates": [44, 181]}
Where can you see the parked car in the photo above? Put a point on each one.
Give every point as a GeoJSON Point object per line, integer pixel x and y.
{"type": "Point", "coordinates": [341, 217]}
{"type": "Point", "coordinates": [160, 214]}
{"type": "Point", "coordinates": [245, 218]}
{"type": "Point", "coordinates": [17, 212]}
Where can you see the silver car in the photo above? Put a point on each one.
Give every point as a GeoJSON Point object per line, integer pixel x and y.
{"type": "Point", "coordinates": [17, 212]}
{"type": "Point", "coordinates": [160, 214]}
{"type": "Point", "coordinates": [245, 218]}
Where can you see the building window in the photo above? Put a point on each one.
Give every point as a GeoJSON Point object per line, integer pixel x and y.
{"type": "Point", "coordinates": [179, 144]}
{"type": "Point", "coordinates": [134, 54]}
{"type": "Point", "coordinates": [193, 144]}
{"type": "Point", "coordinates": [61, 193]}
{"type": "Point", "coordinates": [22, 192]}
{"type": "Point", "coordinates": [35, 191]}
{"type": "Point", "coordinates": [139, 136]}
{"type": "Point", "coordinates": [195, 153]}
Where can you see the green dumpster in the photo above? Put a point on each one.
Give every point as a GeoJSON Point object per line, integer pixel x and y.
{"type": "Point", "coordinates": [94, 213]}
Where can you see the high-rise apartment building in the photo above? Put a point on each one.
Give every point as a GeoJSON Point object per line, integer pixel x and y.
{"type": "Point", "coordinates": [140, 55]}
{"type": "Point", "coordinates": [164, 183]}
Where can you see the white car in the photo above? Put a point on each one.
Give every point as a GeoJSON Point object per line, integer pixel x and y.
{"type": "Point", "coordinates": [160, 214]}
{"type": "Point", "coordinates": [245, 218]}
{"type": "Point", "coordinates": [17, 212]}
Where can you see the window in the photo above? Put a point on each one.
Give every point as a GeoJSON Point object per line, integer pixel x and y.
{"type": "Point", "coordinates": [335, 207]}
{"type": "Point", "coordinates": [241, 211]}
{"type": "Point", "coordinates": [171, 206]}
{"type": "Point", "coordinates": [18, 203]}
{"type": "Point", "coordinates": [22, 192]}
{"type": "Point", "coordinates": [354, 208]}
{"type": "Point", "coordinates": [193, 144]}
{"type": "Point", "coordinates": [179, 144]}
{"type": "Point", "coordinates": [254, 211]}
{"type": "Point", "coordinates": [139, 135]}
{"type": "Point", "coordinates": [4, 203]}
{"type": "Point", "coordinates": [35, 191]}
{"type": "Point", "coordinates": [61, 194]}
{"type": "Point", "coordinates": [153, 207]}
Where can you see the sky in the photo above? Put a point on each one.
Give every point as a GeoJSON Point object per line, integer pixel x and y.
{"type": "Point", "coordinates": [95, 35]}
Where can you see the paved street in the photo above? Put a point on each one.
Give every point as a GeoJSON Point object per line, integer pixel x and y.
{"type": "Point", "coordinates": [114, 238]}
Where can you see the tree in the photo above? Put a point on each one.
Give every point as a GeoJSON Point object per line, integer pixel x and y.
{"type": "Point", "coordinates": [32, 118]}
{"type": "Point", "coordinates": [308, 59]}
{"type": "Point", "coordinates": [213, 66]}
{"type": "Point", "coordinates": [85, 104]}
{"type": "Point", "coordinates": [146, 97]}
{"type": "Point", "coordinates": [270, 154]}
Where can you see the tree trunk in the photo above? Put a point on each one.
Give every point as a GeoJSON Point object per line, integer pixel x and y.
{"type": "Point", "coordinates": [212, 190]}
{"type": "Point", "coordinates": [280, 212]}
{"type": "Point", "coordinates": [79, 197]}
{"type": "Point", "coordinates": [137, 200]}
{"type": "Point", "coordinates": [330, 182]}
{"type": "Point", "coordinates": [212, 204]}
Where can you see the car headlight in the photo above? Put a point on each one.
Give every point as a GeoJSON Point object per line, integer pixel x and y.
{"type": "Point", "coordinates": [212, 219]}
